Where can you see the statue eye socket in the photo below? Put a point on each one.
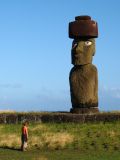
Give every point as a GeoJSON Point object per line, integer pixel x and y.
{"type": "Point", "coordinates": [88, 43]}
{"type": "Point", "coordinates": [74, 45]}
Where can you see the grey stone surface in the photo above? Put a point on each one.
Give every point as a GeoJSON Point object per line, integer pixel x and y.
{"type": "Point", "coordinates": [57, 117]}
{"type": "Point", "coordinates": [88, 110]}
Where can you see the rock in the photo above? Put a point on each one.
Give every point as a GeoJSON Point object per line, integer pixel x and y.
{"type": "Point", "coordinates": [84, 86]}
{"type": "Point", "coordinates": [83, 76]}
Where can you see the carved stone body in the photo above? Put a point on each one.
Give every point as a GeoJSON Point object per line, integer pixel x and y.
{"type": "Point", "coordinates": [84, 88]}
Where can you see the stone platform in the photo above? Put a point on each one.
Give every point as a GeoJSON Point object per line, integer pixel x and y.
{"type": "Point", "coordinates": [58, 117]}
{"type": "Point", "coordinates": [84, 110]}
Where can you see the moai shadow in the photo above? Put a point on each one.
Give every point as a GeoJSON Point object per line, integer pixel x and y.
{"type": "Point", "coordinates": [83, 76]}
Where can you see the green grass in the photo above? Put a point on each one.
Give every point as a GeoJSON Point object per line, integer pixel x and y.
{"type": "Point", "coordinates": [7, 154]}
{"type": "Point", "coordinates": [89, 141]}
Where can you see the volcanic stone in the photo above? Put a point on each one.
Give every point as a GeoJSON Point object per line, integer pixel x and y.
{"type": "Point", "coordinates": [84, 86]}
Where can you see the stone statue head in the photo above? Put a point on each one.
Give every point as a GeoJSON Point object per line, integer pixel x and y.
{"type": "Point", "coordinates": [82, 51]}
{"type": "Point", "coordinates": [83, 30]}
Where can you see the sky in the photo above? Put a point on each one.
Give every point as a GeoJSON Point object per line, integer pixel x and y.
{"type": "Point", "coordinates": [35, 53]}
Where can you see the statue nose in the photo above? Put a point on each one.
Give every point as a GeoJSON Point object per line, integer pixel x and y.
{"type": "Point", "coordinates": [79, 49]}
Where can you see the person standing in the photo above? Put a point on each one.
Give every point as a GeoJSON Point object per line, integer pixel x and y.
{"type": "Point", "coordinates": [24, 136]}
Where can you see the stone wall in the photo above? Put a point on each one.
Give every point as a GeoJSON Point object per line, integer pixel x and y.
{"type": "Point", "coordinates": [14, 118]}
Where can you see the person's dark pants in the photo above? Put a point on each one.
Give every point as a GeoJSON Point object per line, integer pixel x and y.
{"type": "Point", "coordinates": [24, 141]}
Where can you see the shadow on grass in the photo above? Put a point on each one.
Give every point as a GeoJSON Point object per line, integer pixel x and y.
{"type": "Point", "coordinates": [10, 148]}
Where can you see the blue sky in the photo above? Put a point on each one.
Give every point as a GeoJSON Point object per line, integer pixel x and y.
{"type": "Point", "coordinates": [35, 58]}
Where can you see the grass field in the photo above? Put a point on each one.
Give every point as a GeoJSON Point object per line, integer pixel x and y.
{"type": "Point", "coordinates": [90, 141]}
{"type": "Point", "coordinates": [7, 154]}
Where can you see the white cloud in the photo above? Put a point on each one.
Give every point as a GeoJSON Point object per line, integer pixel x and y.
{"type": "Point", "coordinates": [109, 98]}
{"type": "Point", "coordinates": [109, 91]}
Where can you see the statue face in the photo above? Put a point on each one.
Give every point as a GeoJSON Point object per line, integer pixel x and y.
{"type": "Point", "coordinates": [82, 51]}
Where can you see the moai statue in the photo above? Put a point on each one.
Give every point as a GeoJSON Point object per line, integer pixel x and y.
{"type": "Point", "coordinates": [83, 76]}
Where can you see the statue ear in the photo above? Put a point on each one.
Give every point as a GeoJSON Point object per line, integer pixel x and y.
{"type": "Point", "coordinates": [94, 52]}
{"type": "Point", "coordinates": [94, 47]}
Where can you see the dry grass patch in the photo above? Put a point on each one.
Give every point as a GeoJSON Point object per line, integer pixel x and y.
{"type": "Point", "coordinates": [35, 141]}
{"type": "Point", "coordinates": [7, 111]}
{"type": "Point", "coordinates": [39, 127]}
{"type": "Point", "coordinates": [112, 133]}
{"type": "Point", "coordinates": [57, 140]}
{"type": "Point", "coordinates": [51, 140]}
{"type": "Point", "coordinates": [10, 140]}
